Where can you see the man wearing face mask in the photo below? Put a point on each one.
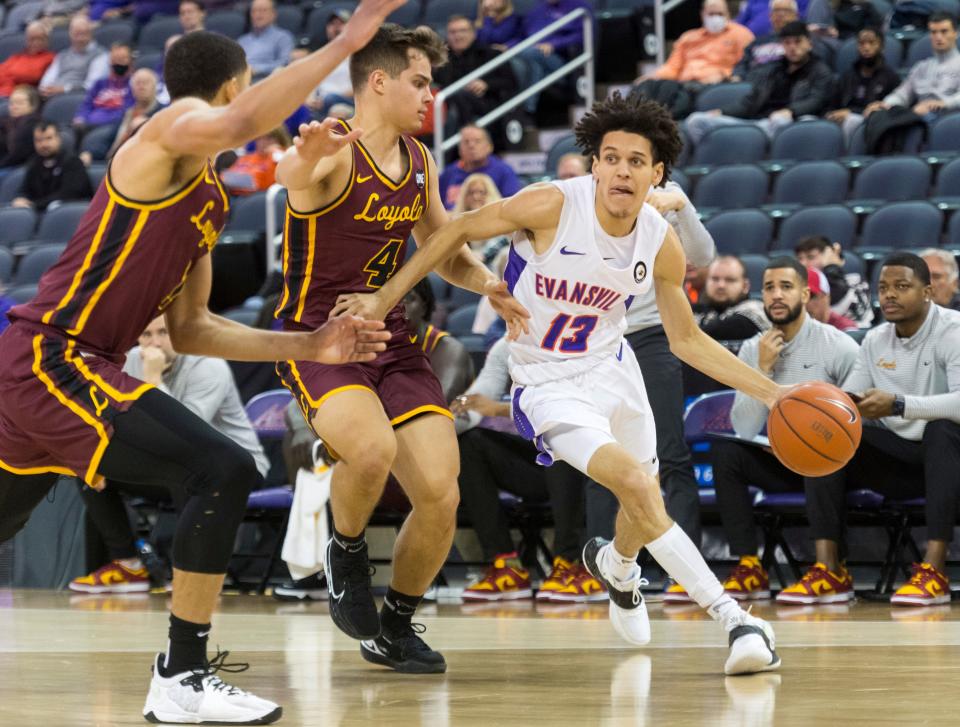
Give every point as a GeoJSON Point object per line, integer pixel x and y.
{"type": "Point", "coordinates": [110, 97]}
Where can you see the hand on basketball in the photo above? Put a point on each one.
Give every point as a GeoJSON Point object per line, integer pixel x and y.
{"type": "Point", "coordinates": [508, 308]}
{"type": "Point", "coordinates": [316, 140]}
{"type": "Point", "coordinates": [348, 339]}
{"type": "Point", "coordinates": [368, 306]}
{"type": "Point", "coordinates": [875, 404]}
{"type": "Point", "coordinates": [366, 21]}
{"type": "Point", "coordinates": [771, 343]}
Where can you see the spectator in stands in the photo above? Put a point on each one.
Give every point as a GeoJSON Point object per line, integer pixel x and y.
{"type": "Point", "coordinates": [907, 383]}
{"type": "Point", "coordinates": [478, 190]}
{"type": "Point", "coordinates": [192, 14]}
{"type": "Point", "coordinates": [943, 277]}
{"type": "Point", "coordinates": [467, 54]}
{"type": "Point", "coordinates": [143, 88]}
{"type": "Point", "coordinates": [869, 80]}
{"type": "Point", "coordinates": [57, 11]}
{"type": "Point", "coordinates": [16, 130]}
{"type": "Point", "coordinates": [255, 171]}
{"type": "Point", "coordinates": [762, 16]}
{"type": "Point", "coordinates": [498, 25]}
{"type": "Point", "coordinates": [797, 85]}
{"type": "Point", "coordinates": [849, 292]}
{"type": "Point", "coordinates": [767, 47]}
{"type": "Point", "coordinates": [707, 54]}
{"type": "Point", "coordinates": [79, 66]}
{"type": "Point", "coordinates": [335, 90]}
{"type": "Point", "coordinates": [205, 386]}
{"type": "Point", "coordinates": [842, 19]}
{"type": "Point", "coordinates": [571, 165]}
{"type": "Point", "coordinates": [725, 312]}
{"type": "Point", "coordinates": [493, 457]}
{"type": "Point", "coordinates": [557, 48]}
{"type": "Point", "coordinates": [267, 46]}
{"type": "Point", "coordinates": [110, 97]}
{"type": "Point", "coordinates": [144, 10]}
{"type": "Point", "coordinates": [818, 306]}
{"type": "Point", "coordinates": [109, 9]}
{"type": "Point", "coordinates": [27, 67]}
{"type": "Point", "coordinates": [796, 349]}
{"type": "Point", "coordinates": [476, 157]}
{"type": "Point", "coordinates": [52, 175]}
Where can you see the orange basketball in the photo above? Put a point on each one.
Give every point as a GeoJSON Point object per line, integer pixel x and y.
{"type": "Point", "coordinates": [814, 429]}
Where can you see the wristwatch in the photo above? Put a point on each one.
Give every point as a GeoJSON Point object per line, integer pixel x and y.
{"type": "Point", "coordinates": [898, 406]}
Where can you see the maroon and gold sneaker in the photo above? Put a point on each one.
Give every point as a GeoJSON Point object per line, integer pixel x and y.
{"type": "Point", "coordinates": [581, 587]}
{"type": "Point", "coordinates": [928, 586]}
{"type": "Point", "coordinates": [748, 581]}
{"type": "Point", "coordinates": [819, 585]}
{"type": "Point", "coordinates": [501, 582]}
{"type": "Point", "coordinates": [562, 572]}
{"type": "Point", "coordinates": [114, 577]}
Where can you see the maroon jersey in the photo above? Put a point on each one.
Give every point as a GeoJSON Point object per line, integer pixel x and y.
{"type": "Point", "coordinates": [125, 264]}
{"type": "Point", "coordinates": [357, 242]}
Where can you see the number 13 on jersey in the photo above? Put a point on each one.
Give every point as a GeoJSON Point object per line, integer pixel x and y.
{"type": "Point", "coordinates": [579, 330]}
{"type": "Point", "coordinates": [383, 265]}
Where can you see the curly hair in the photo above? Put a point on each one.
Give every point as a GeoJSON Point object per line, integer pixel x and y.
{"type": "Point", "coordinates": [387, 51]}
{"type": "Point", "coordinates": [634, 115]}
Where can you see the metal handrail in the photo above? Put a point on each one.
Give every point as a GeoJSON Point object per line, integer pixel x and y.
{"type": "Point", "coordinates": [440, 145]}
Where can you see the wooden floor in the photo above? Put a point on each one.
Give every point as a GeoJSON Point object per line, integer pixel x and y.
{"type": "Point", "coordinates": [69, 660]}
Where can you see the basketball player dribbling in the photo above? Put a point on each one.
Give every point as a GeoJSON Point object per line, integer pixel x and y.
{"type": "Point", "coordinates": [348, 219]}
{"type": "Point", "coordinates": [582, 250]}
{"type": "Point", "coordinates": [141, 249]}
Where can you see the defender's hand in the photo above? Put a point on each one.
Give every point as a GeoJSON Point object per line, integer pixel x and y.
{"type": "Point", "coordinates": [507, 307]}
{"type": "Point", "coordinates": [316, 140]}
{"type": "Point", "coordinates": [368, 306]}
{"type": "Point", "coordinates": [347, 339]}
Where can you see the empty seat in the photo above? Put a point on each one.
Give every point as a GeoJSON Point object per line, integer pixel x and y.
{"type": "Point", "coordinates": [903, 224]}
{"type": "Point", "coordinates": [733, 187]}
{"type": "Point", "coordinates": [10, 184]}
{"type": "Point", "coordinates": [460, 322]}
{"type": "Point", "coordinates": [248, 215]}
{"type": "Point", "coordinates": [948, 180]}
{"type": "Point", "coordinates": [61, 109]}
{"type": "Point", "coordinates": [98, 141]}
{"type": "Point", "coordinates": [232, 23]}
{"type": "Point", "coordinates": [114, 31]}
{"type": "Point", "coordinates": [945, 134]}
{"type": "Point", "coordinates": [812, 183]}
{"type": "Point", "coordinates": [96, 173]}
{"type": "Point", "coordinates": [155, 33]}
{"type": "Point", "coordinates": [563, 145]}
{"type": "Point", "coordinates": [22, 293]}
{"type": "Point", "coordinates": [290, 17]}
{"type": "Point", "coordinates": [892, 179]}
{"type": "Point", "coordinates": [438, 11]}
{"type": "Point", "coordinates": [755, 265]}
{"type": "Point", "coordinates": [834, 222]}
{"type": "Point", "coordinates": [6, 265]}
{"type": "Point", "coordinates": [721, 95]}
{"type": "Point", "coordinates": [737, 144]}
{"type": "Point", "coordinates": [808, 140]}
{"type": "Point", "coordinates": [408, 15]}
{"type": "Point", "coordinates": [741, 231]}
{"type": "Point", "coordinates": [953, 233]}
{"type": "Point", "coordinates": [682, 179]}
{"type": "Point", "coordinates": [59, 224]}
{"type": "Point", "coordinates": [59, 39]}
{"type": "Point", "coordinates": [35, 263]}
{"type": "Point", "coordinates": [16, 224]}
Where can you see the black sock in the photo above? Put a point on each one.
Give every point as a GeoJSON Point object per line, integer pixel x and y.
{"type": "Point", "coordinates": [187, 648]}
{"type": "Point", "coordinates": [350, 543]}
{"type": "Point", "coordinates": [398, 608]}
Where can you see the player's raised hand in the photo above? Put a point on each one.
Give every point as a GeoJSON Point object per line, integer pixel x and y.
{"type": "Point", "coordinates": [508, 308]}
{"type": "Point", "coordinates": [317, 139]}
{"type": "Point", "coordinates": [347, 339]}
{"type": "Point", "coordinates": [366, 20]}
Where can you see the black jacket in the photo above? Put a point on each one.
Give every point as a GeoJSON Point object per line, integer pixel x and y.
{"type": "Point", "coordinates": [809, 89]}
{"type": "Point", "coordinates": [16, 139]}
{"type": "Point", "coordinates": [501, 83]}
{"type": "Point", "coordinates": [855, 91]}
{"type": "Point", "coordinates": [64, 180]}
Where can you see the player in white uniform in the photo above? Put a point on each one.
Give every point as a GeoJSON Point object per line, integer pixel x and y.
{"type": "Point", "coordinates": [583, 249]}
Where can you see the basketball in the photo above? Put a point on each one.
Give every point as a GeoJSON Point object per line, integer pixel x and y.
{"type": "Point", "coordinates": [814, 429]}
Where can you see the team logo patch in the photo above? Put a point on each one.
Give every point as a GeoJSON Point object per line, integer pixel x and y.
{"type": "Point", "coordinates": [640, 271]}
{"type": "Point", "coordinates": [421, 179]}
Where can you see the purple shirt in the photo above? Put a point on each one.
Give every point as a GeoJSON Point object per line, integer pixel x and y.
{"type": "Point", "coordinates": [755, 14]}
{"type": "Point", "coordinates": [508, 31]}
{"type": "Point", "coordinates": [106, 101]}
{"type": "Point", "coordinates": [569, 36]}
{"type": "Point", "coordinates": [452, 178]}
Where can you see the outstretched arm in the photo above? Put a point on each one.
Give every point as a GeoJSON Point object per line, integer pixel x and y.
{"type": "Point", "coordinates": [688, 342]}
{"type": "Point", "coordinates": [194, 329]}
{"type": "Point", "coordinates": [313, 154]}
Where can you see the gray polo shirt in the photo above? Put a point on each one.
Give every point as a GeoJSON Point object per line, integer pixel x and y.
{"type": "Point", "coordinates": [205, 386]}
{"type": "Point", "coordinates": [817, 353]}
{"type": "Point", "coordinates": [924, 369]}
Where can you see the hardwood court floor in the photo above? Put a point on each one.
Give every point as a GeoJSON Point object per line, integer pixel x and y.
{"type": "Point", "coordinates": [83, 660]}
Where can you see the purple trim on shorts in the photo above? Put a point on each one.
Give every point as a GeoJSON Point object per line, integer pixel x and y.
{"type": "Point", "coordinates": [520, 420]}
{"type": "Point", "coordinates": [544, 458]}
{"type": "Point", "coordinates": [515, 268]}
{"type": "Point", "coordinates": [629, 301]}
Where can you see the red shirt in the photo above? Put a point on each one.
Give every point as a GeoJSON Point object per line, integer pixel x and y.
{"type": "Point", "coordinates": [842, 322]}
{"type": "Point", "coordinates": [23, 68]}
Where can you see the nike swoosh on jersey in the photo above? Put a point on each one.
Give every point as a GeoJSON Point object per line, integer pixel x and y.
{"type": "Point", "coordinates": [565, 251]}
{"type": "Point", "coordinates": [361, 180]}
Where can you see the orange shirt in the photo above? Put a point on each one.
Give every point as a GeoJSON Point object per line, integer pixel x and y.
{"type": "Point", "coordinates": [23, 68]}
{"type": "Point", "coordinates": [706, 57]}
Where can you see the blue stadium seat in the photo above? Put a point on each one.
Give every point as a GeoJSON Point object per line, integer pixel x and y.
{"type": "Point", "coordinates": [920, 49]}
{"type": "Point", "coordinates": [853, 263]}
{"type": "Point", "coordinates": [114, 31]}
{"type": "Point", "coordinates": [812, 183]}
{"type": "Point", "coordinates": [835, 222]}
{"type": "Point", "coordinates": [232, 23]}
{"type": "Point", "coordinates": [564, 145]}
{"type": "Point", "coordinates": [903, 224]}
{"type": "Point", "coordinates": [59, 224]}
{"type": "Point", "coordinates": [738, 144]}
{"type": "Point", "coordinates": [248, 215]}
{"type": "Point", "coordinates": [408, 15]}
{"type": "Point", "coordinates": [289, 17]}
{"type": "Point", "coordinates": [721, 95]}
{"type": "Point", "coordinates": [6, 265]}
{"type": "Point", "coordinates": [61, 109]}
{"type": "Point", "coordinates": [16, 224]}
{"type": "Point", "coordinates": [682, 179]}
{"type": "Point", "coordinates": [945, 134]}
{"type": "Point", "coordinates": [848, 53]}
{"type": "Point", "coordinates": [150, 60]}
{"type": "Point", "coordinates": [737, 232]}
{"type": "Point", "coordinates": [20, 14]}
{"type": "Point", "coordinates": [755, 265]}
{"type": "Point", "coordinates": [98, 141]}
{"type": "Point", "coordinates": [96, 173]}
{"type": "Point", "coordinates": [438, 11]}
{"type": "Point", "coordinates": [154, 34]}
{"type": "Point", "coordinates": [22, 293]}
{"type": "Point", "coordinates": [948, 184]}
{"type": "Point", "coordinates": [733, 187]}
{"type": "Point", "coordinates": [10, 44]}
{"type": "Point", "coordinates": [460, 297]}
{"type": "Point", "coordinates": [953, 234]}
{"type": "Point", "coordinates": [59, 39]}
{"type": "Point", "coordinates": [35, 263]}
{"type": "Point", "coordinates": [892, 179]}
{"type": "Point", "coordinates": [441, 288]}
{"type": "Point", "coordinates": [808, 140]}
{"type": "Point", "coordinates": [319, 15]}
{"type": "Point", "coordinates": [10, 184]}
{"type": "Point", "coordinates": [460, 322]}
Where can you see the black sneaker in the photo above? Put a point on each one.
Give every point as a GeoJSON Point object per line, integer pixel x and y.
{"type": "Point", "coordinates": [404, 651]}
{"type": "Point", "coordinates": [628, 611]}
{"type": "Point", "coordinates": [311, 588]}
{"type": "Point", "coordinates": [351, 600]}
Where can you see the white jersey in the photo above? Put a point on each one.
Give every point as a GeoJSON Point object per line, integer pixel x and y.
{"type": "Point", "coordinates": [577, 292]}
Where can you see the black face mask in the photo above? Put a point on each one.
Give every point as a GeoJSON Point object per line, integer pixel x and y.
{"type": "Point", "coordinates": [120, 69]}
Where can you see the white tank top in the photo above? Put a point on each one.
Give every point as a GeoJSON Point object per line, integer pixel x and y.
{"type": "Point", "coordinates": [578, 299]}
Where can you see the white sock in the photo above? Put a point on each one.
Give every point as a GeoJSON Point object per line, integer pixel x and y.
{"type": "Point", "coordinates": [682, 561]}
{"type": "Point", "coordinates": [621, 568]}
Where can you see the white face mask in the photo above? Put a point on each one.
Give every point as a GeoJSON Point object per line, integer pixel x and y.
{"type": "Point", "coordinates": [715, 23]}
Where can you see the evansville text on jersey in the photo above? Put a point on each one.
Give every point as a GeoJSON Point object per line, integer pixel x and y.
{"type": "Point", "coordinates": [593, 296]}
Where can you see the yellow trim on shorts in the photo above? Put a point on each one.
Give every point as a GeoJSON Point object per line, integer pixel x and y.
{"type": "Point", "coordinates": [315, 403]}
{"type": "Point", "coordinates": [396, 421]}
{"type": "Point", "coordinates": [36, 470]}
{"type": "Point", "coordinates": [115, 394]}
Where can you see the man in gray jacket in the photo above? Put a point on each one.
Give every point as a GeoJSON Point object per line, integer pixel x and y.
{"type": "Point", "coordinates": [907, 382]}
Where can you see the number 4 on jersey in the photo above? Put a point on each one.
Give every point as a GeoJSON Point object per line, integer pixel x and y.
{"type": "Point", "coordinates": [579, 329]}
{"type": "Point", "coordinates": [382, 265]}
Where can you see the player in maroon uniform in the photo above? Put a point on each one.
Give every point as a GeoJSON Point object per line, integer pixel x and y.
{"type": "Point", "coordinates": [349, 216]}
{"type": "Point", "coordinates": [140, 250]}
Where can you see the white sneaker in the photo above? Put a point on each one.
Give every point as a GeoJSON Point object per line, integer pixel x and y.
{"type": "Point", "coordinates": [200, 697]}
{"type": "Point", "coordinates": [628, 612]}
{"type": "Point", "coordinates": [751, 647]}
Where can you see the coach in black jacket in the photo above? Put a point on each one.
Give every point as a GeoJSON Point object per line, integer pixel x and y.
{"type": "Point", "coordinates": [797, 85]}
